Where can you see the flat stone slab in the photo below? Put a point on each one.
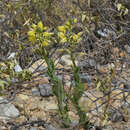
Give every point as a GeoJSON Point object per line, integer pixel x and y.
{"type": "Point", "coordinates": [7, 110]}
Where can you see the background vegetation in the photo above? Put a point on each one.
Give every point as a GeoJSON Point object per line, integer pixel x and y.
{"type": "Point", "coordinates": [105, 25]}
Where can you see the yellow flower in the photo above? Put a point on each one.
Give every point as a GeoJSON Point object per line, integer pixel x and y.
{"type": "Point", "coordinates": [45, 43]}
{"type": "Point", "coordinates": [119, 6]}
{"type": "Point", "coordinates": [80, 33]}
{"type": "Point", "coordinates": [32, 39]}
{"type": "Point", "coordinates": [31, 35]}
{"type": "Point", "coordinates": [40, 25]}
{"type": "Point", "coordinates": [68, 23]}
{"type": "Point", "coordinates": [75, 20]}
{"type": "Point", "coordinates": [47, 34]}
{"type": "Point", "coordinates": [62, 29]}
{"type": "Point", "coordinates": [45, 27]}
{"type": "Point", "coordinates": [61, 35]}
{"type": "Point", "coordinates": [75, 37]}
{"type": "Point", "coordinates": [63, 40]}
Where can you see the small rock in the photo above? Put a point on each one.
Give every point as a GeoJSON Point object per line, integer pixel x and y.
{"type": "Point", "coordinates": [33, 128]}
{"type": "Point", "coordinates": [102, 68]}
{"type": "Point", "coordinates": [23, 97]}
{"type": "Point", "coordinates": [35, 92]}
{"type": "Point", "coordinates": [116, 116]}
{"type": "Point", "coordinates": [66, 61]}
{"type": "Point", "coordinates": [12, 55]}
{"type": "Point", "coordinates": [127, 48]}
{"type": "Point", "coordinates": [50, 127]}
{"type": "Point", "coordinates": [7, 110]}
{"type": "Point", "coordinates": [17, 67]}
{"type": "Point", "coordinates": [108, 128]}
{"type": "Point", "coordinates": [86, 102]}
{"type": "Point", "coordinates": [119, 82]}
{"type": "Point", "coordinates": [106, 32]}
{"type": "Point", "coordinates": [17, 128]}
{"type": "Point", "coordinates": [92, 62]}
{"type": "Point", "coordinates": [48, 105]}
{"type": "Point", "coordinates": [85, 78]}
{"type": "Point", "coordinates": [38, 65]}
{"type": "Point", "coordinates": [84, 65]}
{"type": "Point", "coordinates": [45, 90]}
{"type": "Point", "coordinates": [102, 33]}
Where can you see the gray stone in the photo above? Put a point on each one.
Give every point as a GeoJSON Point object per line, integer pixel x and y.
{"type": "Point", "coordinates": [108, 128]}
{"type": "Point", "coordinates": [50, 127]}
{"type": "Point", "coordinates": [7, 110]}
{"type": "Point", "coordinates": [84, 65]}
{"type": "Point", "coordinates": [116, 116]}
{"type": "Point", "coordinates": [127, 49]}
{"type": "Point", "coordinates": [119, 82]}
{"type": "Point", "coordinates": [106, 32]}
{"type": "Point", "coordinates": [35, 92]}
{"type": "Point", "coordinates": [45, 90]}
{"type": "Point", "coordinates": [17, 128]}
{"type": "Point", "coordinates": [92, 62]}
{"type": "Point", "coordinates": [33, 128]}
{"type": "Point", "coordinates": [12, 55]}
{"type": "Point", "coordinates": [66, 60]}
{"type": "Point", "coordinates": [85, 78]}
{"type": "Point", "coordinates": [102, 33]}
{"type": "Point", "coordinates": [17, 67]}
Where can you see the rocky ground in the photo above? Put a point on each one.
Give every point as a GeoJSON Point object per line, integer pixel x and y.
{"type": "Point", "coordinates": [31, 105]}
{"type": "Point", "coordinates": [34, 107]}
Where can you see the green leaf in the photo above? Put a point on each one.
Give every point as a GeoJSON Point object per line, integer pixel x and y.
{"type": "Point", "coordinates": [3, 83]}
{"type": "Point", "coordinates": [83, 17]}
{"type": "Point", "coordinates": [98, 85]}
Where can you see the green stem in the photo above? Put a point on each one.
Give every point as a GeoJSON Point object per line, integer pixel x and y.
{"type": "Point", "coordinates": [58, 89]}
{"type": "Point", "coordinates": [78, 91]}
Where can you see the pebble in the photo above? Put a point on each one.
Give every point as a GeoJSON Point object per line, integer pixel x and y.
{"type": "Point", "coordinates": [45, 90]}
{"type": "Point", "coordinates": [116, 116]}
{"type": "Point", "coordinates": [50, 127]}
{"type": "Point", "coordinates": [35, 92]}
{"type": "Point", "coordinates": [127, 48]}
{"type": "Point", "coordinates": [66, 61]}
{"type": "Point", "coordinates": [33, 128]}
{"type": "Point", "coordinates": [7, 110]}
{"type": "Point", "coordinates": [92, 62]}
{"type": "Point", "coordinates": [85, 78]}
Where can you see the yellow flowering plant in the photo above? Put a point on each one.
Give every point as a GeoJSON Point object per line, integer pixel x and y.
{"type": "Point", "coordinates": [65, 34]}
{"type": "Point", "coordinates": [31, 36]}
{"type": "Point", "coordinates": [38, 34]}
